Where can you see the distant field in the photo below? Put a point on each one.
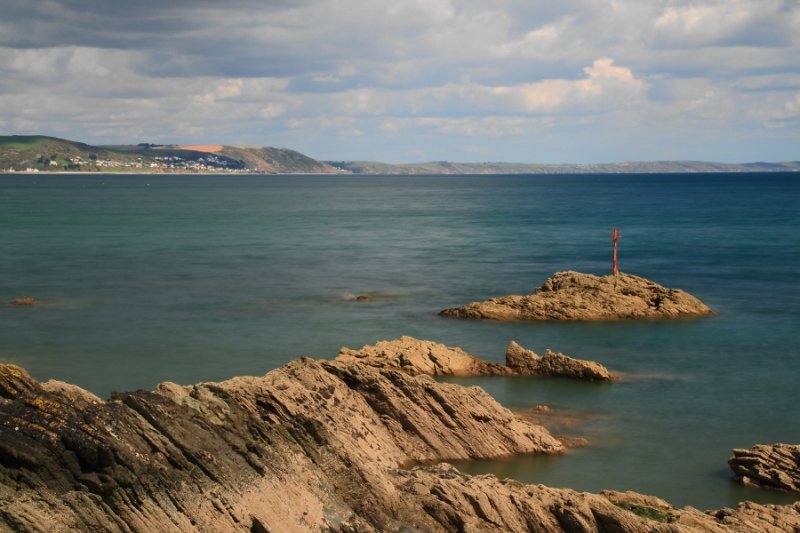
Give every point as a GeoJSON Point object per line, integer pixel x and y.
{"type": "Point", "coordinates": [20, 142]}
{"type": "Point", "coordinates": [208, 148]}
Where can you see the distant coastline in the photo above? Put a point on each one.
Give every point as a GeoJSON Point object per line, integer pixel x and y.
{"type": "Point", "coordinates": [42, 154]}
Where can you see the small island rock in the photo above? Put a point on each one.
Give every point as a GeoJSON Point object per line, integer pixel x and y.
{"type": "Point", "coordinates": [577, 296]}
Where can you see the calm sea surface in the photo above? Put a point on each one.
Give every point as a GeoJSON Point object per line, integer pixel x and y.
{"type": "Point", "coordinates": [150, 278]}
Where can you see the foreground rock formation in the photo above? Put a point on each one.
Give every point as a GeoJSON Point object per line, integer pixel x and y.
{"type": "Point", "coordinates": [415, 357]}
{"type": "Point", "coordinates": [773, 466]}
{"type": "Point", "coordinates": [576, 296]}
{"type": "Point", "coordinates": [311, 446]}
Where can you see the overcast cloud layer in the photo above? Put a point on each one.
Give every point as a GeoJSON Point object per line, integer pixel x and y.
{"type": "Point", "coordinates": [412, 80]}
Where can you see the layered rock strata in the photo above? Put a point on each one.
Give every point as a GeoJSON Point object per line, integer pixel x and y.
{"type": "Point", "coordinates": [773, 466]}
{"type": "Point", "coordinates": [416, 357]}
{"type": "Point", "coordinates": [312, 446]}
{"type": "Point", "coordinates": [527, 362]}
{"type": "Point", "coordinates": [577, 296]}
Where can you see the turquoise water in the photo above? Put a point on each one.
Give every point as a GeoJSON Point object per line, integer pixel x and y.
{"type": "Point", "coordinates": [152, 278]}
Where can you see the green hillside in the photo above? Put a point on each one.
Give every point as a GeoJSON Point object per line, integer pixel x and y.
{"type": "Point", "coordinates": [19, 153]}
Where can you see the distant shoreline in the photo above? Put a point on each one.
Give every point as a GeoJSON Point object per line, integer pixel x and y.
{"type": "Point", "coordinates": [38, 154]}
{"type": "Point", "coordinates": [397, 174]}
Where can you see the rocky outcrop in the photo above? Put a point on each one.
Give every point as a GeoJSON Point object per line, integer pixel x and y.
{"type": "Point", "coordinates": [576, 296]}
{"type": "Point", "coordinates": [417, 357]}
{"type": "Point", "coordinates": [483, 503]}
{"type": "Point", "coordinates": [311, 446]}
{"type": "Point", "coordinates": [773, 466]}
{"type": "Point", "coordinates": [528, 363]}
{"type": "Point", "coordinates": [308, 446]}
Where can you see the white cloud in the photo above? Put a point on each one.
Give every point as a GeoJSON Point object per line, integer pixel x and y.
{"type": "Point", "coordinates": [312, 72]}
{"type": "Point", "coordinates": [721, 22]}
{"type": "Point", "coordinates": [492, 126]}
{"type": "Point", "coordinates": [605, 86]}
{"type": "Point", "coordinates": [271, 111]}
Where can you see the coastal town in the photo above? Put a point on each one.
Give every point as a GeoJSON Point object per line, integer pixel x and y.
{"type": "Point", "coordinates": [169, 163]}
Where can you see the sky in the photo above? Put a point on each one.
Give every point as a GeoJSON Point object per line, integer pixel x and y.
{"type": "Point", "coordinates": [537, 81]}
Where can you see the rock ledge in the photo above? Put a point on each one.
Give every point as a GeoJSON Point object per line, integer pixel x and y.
{"type": "Point", "coordinates": [773, 466]}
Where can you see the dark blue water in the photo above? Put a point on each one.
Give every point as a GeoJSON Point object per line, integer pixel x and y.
{"type": "Point", "coordinates": [151, 278]}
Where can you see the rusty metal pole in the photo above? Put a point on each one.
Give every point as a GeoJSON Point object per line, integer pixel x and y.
{"type": "Point", "coordinates": [615, 238]}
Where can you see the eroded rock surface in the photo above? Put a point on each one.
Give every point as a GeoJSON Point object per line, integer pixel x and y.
{"type": "Point", "coordinates": [311, 446]}
{"type": "Point", "coordinates": [417, 357]}
{"type": "Point", "coordinates": [527, 362]}
{"type": "Point", "coordinates": [773, 466]}
{"type": "Point", "coordinates": [577, 296]}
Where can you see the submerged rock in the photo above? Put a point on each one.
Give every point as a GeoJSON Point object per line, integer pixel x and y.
{"type": "Point", "coordinates": [772, 466]}
{"type": "Point", "coordinates": [311, 446]}
{"type": "Point", "coordinates": [528, 363]}
{"type": "Point", "coordinates": [24, 302]}
{"type": "Point", "coordinates": [577, 296]}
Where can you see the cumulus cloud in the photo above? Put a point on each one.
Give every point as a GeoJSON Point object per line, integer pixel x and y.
{"type": "Point", "coordinates": [605, 86]}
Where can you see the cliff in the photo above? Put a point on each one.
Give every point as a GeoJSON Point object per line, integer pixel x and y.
{"type": "Point", "coordinates": [577, 296]}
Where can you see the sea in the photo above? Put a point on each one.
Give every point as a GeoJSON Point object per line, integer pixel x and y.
{"type": "Point", "coordinates": [150, 278]}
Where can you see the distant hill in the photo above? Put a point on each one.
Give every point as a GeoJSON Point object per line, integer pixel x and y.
{"type": "Point", "coordinates": [637, 167]}
{"type": "Point", "coordinates": [21, 152]}
{"type": "Point", "coordinates": [38, 153]}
